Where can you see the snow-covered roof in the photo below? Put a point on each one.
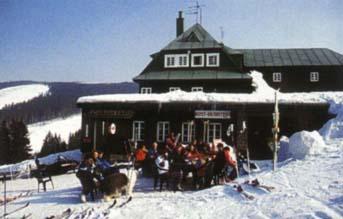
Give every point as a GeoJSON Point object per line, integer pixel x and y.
{"type": "Point", "coordinates": [262, 94]}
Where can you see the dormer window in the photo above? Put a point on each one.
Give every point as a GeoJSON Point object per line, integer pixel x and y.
{"type": "Point", "coordinates": [169, 61]}
{"type": "Point", "coordinates": [183, 60]}
{"type": "Point", "coordinates": [314, 76]}
{"type": "Point", "coordinates": [212, 59]}
{"type": "Point", "coordinates": [197, 60]}
{"type": "Point", "coordinates": [176, 60]}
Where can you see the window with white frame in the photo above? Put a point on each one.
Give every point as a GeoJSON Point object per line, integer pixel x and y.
{"type": "Point", "coordinates": [212, 59]}
{"type": "Point", "coordinates": [162, 131]}
{"type": "Point", "coordinates": [183, 60]}
{"type": "Point", "coordinates": [86, 130]}
{"type": "Point", "coordinates": [169, 61]}
{"type": "Point", "coordinates": [188, 132]}
{"type": "Point", "coordinates": [103, 124]}
{"type": "Point", "coordinates": [197, 60]}
{"type": "Point", "coordinates": [174, 88]}
{"type": "Point", "coordinates": [146, 90]}
{"type": "Point", "coordinates": [214, 131]}
{"type": "Point", "coordinates": [277, 77]}
{"type": "Point", "coordinates": [314, 76]}
{"type": "Point", "coordinates": [138, 130]}
{"type": "Point", "coordinates": [196, 89]}
{"type": "Point", "coordinates": [176, 60]}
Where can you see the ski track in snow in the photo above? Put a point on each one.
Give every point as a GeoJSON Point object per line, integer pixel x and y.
{"type": "Point", "coordinates": [309, 188]}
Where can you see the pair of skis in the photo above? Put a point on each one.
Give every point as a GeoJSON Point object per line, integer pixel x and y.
{"type": "Point", "coordinates": [15, 210]}
{"type": "Point", "coordinates": [21, 195]}
{"type": "Point", "coordinates": [254, 183]}
{"type": "Point", "coordinates": [107, 211]}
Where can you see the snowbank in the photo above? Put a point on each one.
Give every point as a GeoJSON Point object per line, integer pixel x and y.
{"type": "Point", "coordinates": [26, 165]}
{"type": "Point", "coordinates": [19, 94]}
{"type": "Point", "coordinates": [52, 158]}
{"type": "Point", "coordinates": [305, 143]}
{"type": "Point", "coordinates": [284, 149]}
{"type": "Point", "coordinates": [62, 127]}
{"type": "Point", "coordinates": [21, 168]}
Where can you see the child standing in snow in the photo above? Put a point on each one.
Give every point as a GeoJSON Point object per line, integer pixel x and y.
{"type": "Point", "coordinates": [162, 164]}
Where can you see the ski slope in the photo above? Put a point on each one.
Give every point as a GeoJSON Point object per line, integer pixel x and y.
{"type": "Point", "coordinates": [61, 126]}
{"type": "Point", "coordinates": [22, 93]}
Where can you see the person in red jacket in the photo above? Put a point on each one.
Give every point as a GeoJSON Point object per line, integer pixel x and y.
{"type": "Point", "coordinates": [230, 162]}
{"type": "Point", "coordinates": [140, 156]}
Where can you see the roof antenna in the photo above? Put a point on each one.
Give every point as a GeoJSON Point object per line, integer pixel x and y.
{"type": "Point", "coordinates": [221, 34]}
{"type": "Point", "coordinates": [197, 11]}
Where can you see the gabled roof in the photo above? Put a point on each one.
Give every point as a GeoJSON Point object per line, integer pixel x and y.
{"type": "Point", "coordinates": [196, 37]}
{"type": "Point", "coordinates": [191, 75]}
{"type": "Point", "coordinates": [291, 57]}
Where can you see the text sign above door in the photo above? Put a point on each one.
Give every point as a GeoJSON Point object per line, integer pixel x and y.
{"type": "Point", "coordinates": [212, 114]}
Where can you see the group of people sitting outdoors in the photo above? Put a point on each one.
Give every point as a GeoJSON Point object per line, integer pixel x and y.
{"type": "Point", "coordinates": [171, 163]}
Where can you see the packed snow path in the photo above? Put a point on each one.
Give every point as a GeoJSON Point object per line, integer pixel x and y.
{"type": "Point", "coordinates": [309, 188]}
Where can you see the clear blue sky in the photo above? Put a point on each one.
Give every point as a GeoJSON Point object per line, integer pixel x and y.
{"type": "Point", "coordinates": [111, 40]}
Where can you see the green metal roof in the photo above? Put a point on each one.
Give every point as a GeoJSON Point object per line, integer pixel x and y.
{"type": "Point", "coordinates": [196, 37]}
{"type": "Point", "coordinates": [191, 75]}
{"type": "Point", "coordinates": [290, 57]}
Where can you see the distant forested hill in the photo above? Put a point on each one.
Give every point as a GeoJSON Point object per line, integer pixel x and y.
{"type": "Point", "coordinates": [60, 102]}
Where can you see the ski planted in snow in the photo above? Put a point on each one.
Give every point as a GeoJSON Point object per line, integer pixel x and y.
{"type": "Point", "coordinates": [16, 210]}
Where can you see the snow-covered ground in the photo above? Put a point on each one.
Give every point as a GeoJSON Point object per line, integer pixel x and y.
{"type": "Point", "coordinates": [22, 93]}
{"type": "Point", "coordinates": [308, 188]}
{"type": "Point", "coordinates": [61, 126]}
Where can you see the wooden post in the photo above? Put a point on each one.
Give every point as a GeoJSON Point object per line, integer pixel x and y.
{"type": "Point", "coordinates": [276, 117]}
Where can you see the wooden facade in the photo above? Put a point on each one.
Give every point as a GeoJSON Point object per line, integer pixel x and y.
{"type": "Point", "coordinates": [258, 118]}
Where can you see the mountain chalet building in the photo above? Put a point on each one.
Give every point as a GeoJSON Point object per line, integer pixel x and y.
{"type": "Point", "coordinates": [196, 62]}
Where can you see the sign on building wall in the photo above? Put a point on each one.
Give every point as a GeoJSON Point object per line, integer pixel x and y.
{"type": "Point", "coordinates": [120, 114]}
{"type": "Point", "coordinates": [212, 114]}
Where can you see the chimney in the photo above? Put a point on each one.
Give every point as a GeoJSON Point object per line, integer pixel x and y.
{"type": "Point", "coordinates": [179, 24]}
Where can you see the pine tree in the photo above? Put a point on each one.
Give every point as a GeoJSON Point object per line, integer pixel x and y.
{"type": "Point", "coordinates": [20, 148]}
{"type": "Point", "coordinates": [52, 144]}
{"type": "Point", "coordinates": [75, 140]}
{"type": "Point", "coordinates": [4, 143]}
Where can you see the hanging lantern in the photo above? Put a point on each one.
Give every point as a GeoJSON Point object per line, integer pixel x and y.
{"type": "Point", "coordinates": [112, 128]}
